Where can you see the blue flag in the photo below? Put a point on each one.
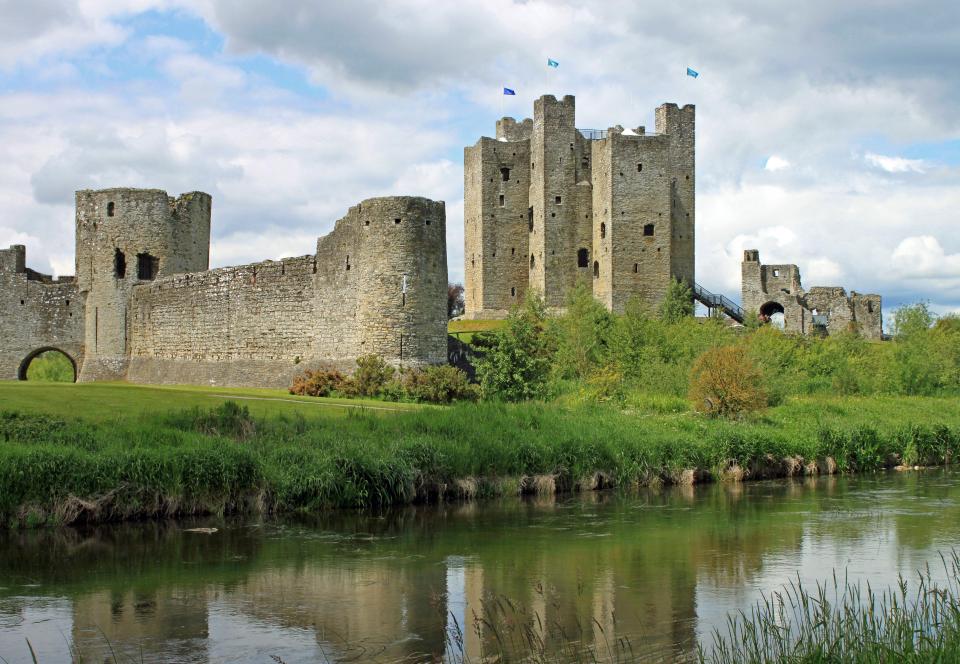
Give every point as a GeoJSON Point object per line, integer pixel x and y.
{"type": "Point", "coordinates": [508, 91]}
{"type": "Point", "coordinates": [552, 63]}
{"type": "Point", "coordinates": [690, 72]}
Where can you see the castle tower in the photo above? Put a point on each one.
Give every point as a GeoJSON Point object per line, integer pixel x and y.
{"type": "Point", "coordinates": [392, 256]}
{"type": "Point", "coordinates": [611, 208]}
{"type": "Point", "coordinates": [553, 170]}
{"type": "Point", "coordinates": [679, 125]}
{"type": "Point", "coordinates": [497, 222]}
{"type": "Point", "coordinates": [126, 237]}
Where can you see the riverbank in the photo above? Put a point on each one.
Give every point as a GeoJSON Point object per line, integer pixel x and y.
{"type": "Point", "coordinates": [273, 454]}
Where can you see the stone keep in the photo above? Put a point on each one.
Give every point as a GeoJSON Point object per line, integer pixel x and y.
{"type": "Point", "coordinates": [145, 308]}
{"type": "Point", "coordinates": [547, 205]}
{"type": "Point", "coordinates": [768, 290]}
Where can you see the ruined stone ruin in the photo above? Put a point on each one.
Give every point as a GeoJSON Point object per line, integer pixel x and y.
{"type": "Point", "coordinates": [547, 205]}
{"type": "Point", "coordinates": [144, 306]}
{"type": "Point", "coordinates": [774, 291]}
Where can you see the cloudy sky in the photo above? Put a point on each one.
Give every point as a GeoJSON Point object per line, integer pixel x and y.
{"type": "Point", "coordinates": [828, 133]}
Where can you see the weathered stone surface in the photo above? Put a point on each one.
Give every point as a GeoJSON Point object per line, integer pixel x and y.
{"type": "Point", "coordinates": [376, 285]}
{"type": "Point", "coordinates": [616, 212]}
{"type": "Point", "coordinates": [38, 313]}
{"type": "Point", "coordinates": [821, 310]}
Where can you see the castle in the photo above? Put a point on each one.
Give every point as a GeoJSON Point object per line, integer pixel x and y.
{"type": "Point", "coordinates": [772, 291]}
{"type": "Point", "coordinates": [547, 205]}
{"type": "Point", "coordinates": [144, 306]}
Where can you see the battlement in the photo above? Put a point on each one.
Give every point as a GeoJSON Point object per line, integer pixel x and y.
{"type": "Point", "coordinates": [509, 129]}
{"type": "Point", "coordinates": [14, 259]}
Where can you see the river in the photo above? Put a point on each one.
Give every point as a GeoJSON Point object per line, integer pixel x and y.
{"type": "Point", "coordinates": [648, 574]}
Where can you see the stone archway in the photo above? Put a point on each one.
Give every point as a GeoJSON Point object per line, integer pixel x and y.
{"type": "Point", "coordinates": [773, 313]}
{"type": "Point", "coordinates": [22, 371]}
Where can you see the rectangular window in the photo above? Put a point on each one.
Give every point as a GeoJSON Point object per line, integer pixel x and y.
{"type": "Point", "coordinates": [557, 200]}
{"type": "Point", "coordinates": [501, 200]}
{"type": "Point", "coordinates": [147, 267]}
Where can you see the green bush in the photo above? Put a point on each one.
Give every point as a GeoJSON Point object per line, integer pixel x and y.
{"type": "Point", "coordinates": [369, 378]}
{"type": "Point", "coordinates": [438, 384]}
{"type": "Point", "coordinates": [513, 362]}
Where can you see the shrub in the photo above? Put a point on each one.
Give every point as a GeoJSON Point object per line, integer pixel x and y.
{"type": "Point", "coordinates": [371, 375]}
{"type": "Point", "coordinates": [606, 384]}
{"type": "Point", "coordinates": [228, 419]}
{"type": "Point", "coordinates": [513, 362]}
{"type": "Point", "coordinates": [725, 382]}
{"type": "Point", "coordinates": [319, 383]}
{"type": "Point", "coordinates": [582, 335]}
{"type": "Point", "coordinates": [439, 384]}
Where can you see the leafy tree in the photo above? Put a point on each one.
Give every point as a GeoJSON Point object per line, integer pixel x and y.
{"type": "Point", "coordinates": [912, 319]}
{"type": "Point", "coordinates": [582, 335]}
{"type": "Point", "coordinates": [678, 302]}
{"type": "Point", "coordinates": [513, 362]}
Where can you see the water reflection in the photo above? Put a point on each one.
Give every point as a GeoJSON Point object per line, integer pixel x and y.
{"type": "Point", "coordinates": [648, 574]}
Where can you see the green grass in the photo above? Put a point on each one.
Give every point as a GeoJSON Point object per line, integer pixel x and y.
{"type": "Point", "coordinates": [465, 329]}
{"type": "Point", "coordinates": [101, 452]}
{"type": "Point", "coordinates": [51, 366]}
{"type": "Point", "coordinates": [110, 401]}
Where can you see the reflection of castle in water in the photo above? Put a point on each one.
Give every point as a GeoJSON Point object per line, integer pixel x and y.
{"type": "Point", "coordinates": [398, 587]}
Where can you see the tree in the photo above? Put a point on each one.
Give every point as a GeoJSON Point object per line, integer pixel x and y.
{"type": "Point", "coordinates": [455, 304]}
{"type": "Point", "coordinates": [910, 319]}
{"type": "Point", "coordinates": [513, 362]}
{"type": "Point", "coordinates": [678, 302]}
{"type": "Point", "coordinates": [583, 334]}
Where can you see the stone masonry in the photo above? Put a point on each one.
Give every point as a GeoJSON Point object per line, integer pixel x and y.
{"type": "Point", "coordinates": [547, 205]}
{"type": "Point", "coordinates": [769, 290]}
{"type": "Point", "coordinates": [145, 308]}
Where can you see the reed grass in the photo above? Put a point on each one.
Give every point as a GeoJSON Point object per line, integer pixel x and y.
{"type": "Point", "coordinates": [841, 621]}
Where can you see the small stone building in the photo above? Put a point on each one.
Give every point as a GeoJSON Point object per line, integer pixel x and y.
{"type": "Point", "coordinates": [774, 291]}
{"type": "Point", "coordinates": [547, 205]}
{"type": "Point", "coordinates": [144, 306]}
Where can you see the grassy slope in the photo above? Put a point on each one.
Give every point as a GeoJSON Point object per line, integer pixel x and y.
{"type": "Point", "coordinates": [135, 451]}
{"type": "Point", "coordinates": [108, 401]}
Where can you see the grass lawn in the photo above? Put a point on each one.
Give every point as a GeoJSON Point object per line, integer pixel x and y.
{"type": "Point", "coordinates": [109, 401]}
{"type": "Point", "coordinates": [465, 329]}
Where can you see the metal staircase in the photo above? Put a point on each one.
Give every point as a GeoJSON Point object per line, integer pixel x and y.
{"type": "Point", "coordinates": [715, 302]}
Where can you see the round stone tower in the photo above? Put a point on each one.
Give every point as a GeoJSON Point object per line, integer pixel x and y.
{"type": "Point", "coordinates": [126, 237]}
{"type": "Point", "coordinates": [402, 289]}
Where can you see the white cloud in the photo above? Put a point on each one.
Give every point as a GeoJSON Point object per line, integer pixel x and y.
{"type": "Point", "coordinates": [776, 163]}
{"type": "Point", "coordinates": [895, 164]}
{"type": "Point", "coordinates": [922, 257]}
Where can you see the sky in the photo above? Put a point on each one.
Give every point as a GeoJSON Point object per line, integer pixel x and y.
{"type": "Point", "coordinates": [827, 133]}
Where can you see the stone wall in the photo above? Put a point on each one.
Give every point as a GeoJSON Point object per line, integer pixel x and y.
{"type": "Point", "coordinates": [144, 307]}
{"type": "Point", "coordinates": [579, 188]}
{"type": "Point", "coordinates": [376, 286]}
{"type": "Point", "coordinates": [769, 289]}
{"type": "Point", "coordinates": [38, 313]}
